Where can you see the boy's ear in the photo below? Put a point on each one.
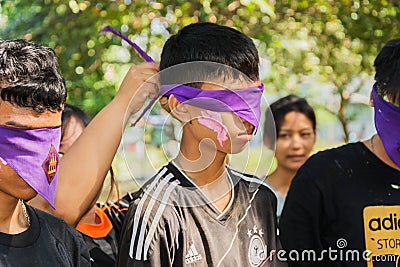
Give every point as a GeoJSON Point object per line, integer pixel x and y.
{"type": "Point", "coordinates": [178, 110]}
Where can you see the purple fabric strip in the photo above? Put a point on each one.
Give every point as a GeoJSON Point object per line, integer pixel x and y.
{"type": "Point", "coordinates": [387, 118]}
{"type": "Point", "coordinates": [245, 103]}
{"type": "Point", "coordinates": [151, 103]}
{"type": "Point", "coordinates": [32, 154]}
{"type": "Point", "coordinates": [144, 55]}
{"type": "Point", "coordinates": [125, 38]}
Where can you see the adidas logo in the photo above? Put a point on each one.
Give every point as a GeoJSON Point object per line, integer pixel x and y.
{"type": "Point", "coordinates": [192, 255]}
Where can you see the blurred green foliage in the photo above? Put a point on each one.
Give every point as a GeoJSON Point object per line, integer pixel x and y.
{"type": "Point", "coordinates": [303, 43]}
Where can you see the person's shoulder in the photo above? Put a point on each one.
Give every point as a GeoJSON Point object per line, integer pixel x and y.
{"type": "Point", "coordinates": [250, 181]}
{"type": "Point", "coordinates": [327, 166]}
{"type": "Point", "coordinates": [160, 186]}
{"type": "Point", "coordinates": [56, 225]}
{"type": "Point", "coordinates": [150, 218]}
{"type": "Point", "coordinates": [64, 235]}
{"type": "Point", "coordinates": [151, 204]}
{"type": "Point", "coordinates": [50, 219]}
{"type": "Point", "coordinates": [341, 155]}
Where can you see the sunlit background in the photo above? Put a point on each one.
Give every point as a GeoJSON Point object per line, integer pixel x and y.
{"type": "Point", "coordinates": [322, 50]}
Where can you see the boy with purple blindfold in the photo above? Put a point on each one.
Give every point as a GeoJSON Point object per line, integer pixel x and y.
{"type": "Point", "coordinates": [226, 203]}
{"type": "Point", "coordinates": [198, 210]}
{"type": "Point", "coordinates": [32, 96]}
{"type": "Point", "coordinates": [243, 102]}
{"type": "Point", "coordinates": [349, 197]}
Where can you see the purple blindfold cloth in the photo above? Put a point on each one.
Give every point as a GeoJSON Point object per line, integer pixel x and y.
{"type": "Point", "coordinates": [245, 103]}
{"type": "Point", "coordinates": [387, 118]}
{"type": "Point", "coordinates": [32, 154]}
{"type": "Point", "coordinates": [143, 54]}
{"type": "Point", "coordinates": [125, 38]}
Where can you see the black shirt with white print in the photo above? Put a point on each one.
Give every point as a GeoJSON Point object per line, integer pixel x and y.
{"type": "Point", "coordinates": [171, 223]}
{"type": "Point", "coordinates": [343, 209]}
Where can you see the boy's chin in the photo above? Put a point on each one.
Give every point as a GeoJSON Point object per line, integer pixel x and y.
{"type": "Point", "coordinates": [235, 149]}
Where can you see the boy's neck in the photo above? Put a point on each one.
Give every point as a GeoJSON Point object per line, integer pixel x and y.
{"type": "Point", "coordinates": [205, 166]}
{"type": "Point", "coordinates": [202, 163]}
{"type": "Point", "coordinates": [201, 172]}
{"type": "Point", "coordinates": [376, 146]}
{"type": "Point", "coordinates": [213, 180]}
{"type": "Point", "coordinates": [12, 219]}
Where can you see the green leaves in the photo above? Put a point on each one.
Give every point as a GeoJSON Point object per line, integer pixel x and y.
{"type": "Point", "coordinates": [305, 42]}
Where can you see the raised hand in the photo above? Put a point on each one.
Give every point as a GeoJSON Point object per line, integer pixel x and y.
{"type": "Point", "coordinates": [140, 82]}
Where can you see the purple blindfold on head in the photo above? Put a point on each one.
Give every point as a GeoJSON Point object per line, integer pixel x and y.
{"type": "Point", "coordinates": [32, 154]}
{"type": "Point", "coordinates": [245, 103]}
{"type": "Point", "coordinates": [387, 117]}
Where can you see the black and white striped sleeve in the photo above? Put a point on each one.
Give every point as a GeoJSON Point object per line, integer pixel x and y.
{"type": "Point", "coordinates": [150, 233]}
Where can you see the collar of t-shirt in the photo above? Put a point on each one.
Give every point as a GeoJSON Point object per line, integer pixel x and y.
{"type": "Point", "coordinates": [231, 186]}
{"type": "Point", "coordinates": [26, 238]}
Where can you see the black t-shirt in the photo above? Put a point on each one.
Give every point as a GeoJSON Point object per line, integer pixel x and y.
{"type": "Point", "coordinates": [102, 250]}
{"type": "Point", "coordinates": [49, 241]}
{"type": "Point", "coordinates": [171, 223]}
{"type": "Point", "coordinates": [344, 199]}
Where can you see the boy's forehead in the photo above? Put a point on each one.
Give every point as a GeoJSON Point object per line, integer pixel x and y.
{"type": "Point", "coordinates": [25, 117]}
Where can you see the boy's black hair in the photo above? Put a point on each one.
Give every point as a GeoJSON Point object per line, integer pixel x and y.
{"type": "Point", "coordinates": [280, 108]}
{"type": "Point", "coordinates": [211, 43]}
{"type": "Point", "coordinates": [387, 68]}
{"type": "Point", "coordinates": [29, 76]}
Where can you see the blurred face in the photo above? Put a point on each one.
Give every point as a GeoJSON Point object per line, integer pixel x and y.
{"type": "Point", "coordinates": [11, 183]}
{"type": "Point", "coordinates": [226, 131]}
{"type": "Point", "coordinates": [295, 141]}
{"type": "Point", "coordinates": [71, 132]}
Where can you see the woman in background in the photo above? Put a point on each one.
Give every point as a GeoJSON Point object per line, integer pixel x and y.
{"type": "Point", "coordinates": [295, 126]}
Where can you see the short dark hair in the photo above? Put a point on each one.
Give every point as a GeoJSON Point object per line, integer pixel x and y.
{"type": "Point", "coordinates": [280, 108]}
{"type": "Point", "coordinates": [387, 70]}
{"type": "Point", "coordinates": [29, 76]}
{"type": "Point", "coordinates": [210, 43]}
